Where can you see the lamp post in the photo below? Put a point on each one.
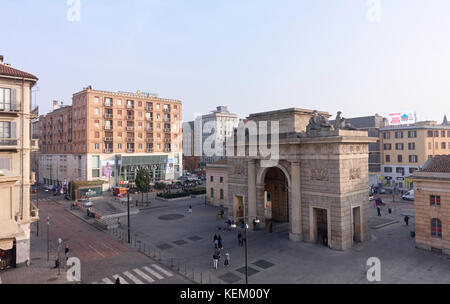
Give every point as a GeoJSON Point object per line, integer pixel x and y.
{"type": "Point", "coordinates": [59, 255]}
{"type": "Point", "coordinates": [128, 212]}
{"type": "Point", "coordinates": [37, 207]}
{"type": "Point", "coordinates": [48, 240]}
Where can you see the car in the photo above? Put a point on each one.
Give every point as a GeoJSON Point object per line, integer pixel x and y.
{"type": "Point", "coordinates": [408, 196]}
{"type": "Point", "coordinates": [85, 203]}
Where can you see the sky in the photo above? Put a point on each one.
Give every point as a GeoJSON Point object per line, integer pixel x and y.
{"type": "Point", "coordinates": [249, 55]}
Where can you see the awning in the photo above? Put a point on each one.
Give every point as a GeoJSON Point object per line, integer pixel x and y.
{"type": "Point", "coordinates": [144, 160]}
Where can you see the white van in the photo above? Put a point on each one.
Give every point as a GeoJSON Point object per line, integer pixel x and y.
{"type": "Point", "coordinates": [408, 196]}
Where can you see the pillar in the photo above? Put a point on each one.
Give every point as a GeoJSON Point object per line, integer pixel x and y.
{"type": "Point", "coordinates": [251, 190]}
{"type": "Point", "coordinates": [296, 203]}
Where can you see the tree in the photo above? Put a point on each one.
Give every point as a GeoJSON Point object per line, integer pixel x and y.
{"type": "Point", "coordinates": [143, 181]}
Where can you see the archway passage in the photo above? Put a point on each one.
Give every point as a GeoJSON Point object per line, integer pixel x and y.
{"type": "Point", "coordinates": [276, 195]}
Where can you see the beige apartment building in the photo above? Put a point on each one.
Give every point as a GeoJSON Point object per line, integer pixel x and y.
{"type": "Point", "coordinates": [16, 209]}
{"type": "Point", "coordinates": [405, 149]}
{"type": "Point", "coordinates": [432, 205]}
{"type": "Point", "coordinates": [108, 135]}
{"type": "Point", "coordinates": [217, 183]}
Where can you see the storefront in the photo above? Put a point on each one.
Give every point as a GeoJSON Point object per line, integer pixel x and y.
{"type": "Point", "coordinates": [7, 254]}
{"type": "Point", "coordinates": [128, 166]}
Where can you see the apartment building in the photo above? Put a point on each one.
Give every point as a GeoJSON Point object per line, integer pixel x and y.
{"type": "Point", "coordinates": [206, 136]}
{"type": "Point", "coordinates": [405, 149]}
{"type": "Point", "coordinates": [217, 183]}
{"type": "Point", "coordinates": [432, 205]}
{"type": "Point", "coordinates": [108, 136]}
{"type": "Point", "coordinates": [16, 209]}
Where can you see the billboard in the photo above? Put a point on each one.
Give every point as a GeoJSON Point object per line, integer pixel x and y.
{"type": "Point", "coordinates": [402, 118]}
{"type": "Point", "coordinates": [108, 168]}
{"type": "Point", "coordinates": [169, 168]}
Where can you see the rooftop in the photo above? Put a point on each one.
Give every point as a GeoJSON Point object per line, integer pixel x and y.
{"type": "Point", "coordinates": [7, 70]}
{"type": "Point", "coordinates": [439, 163]}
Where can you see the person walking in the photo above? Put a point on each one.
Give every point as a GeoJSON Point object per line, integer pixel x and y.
{"type": "Point", "coordinates": [216, 258]}
{"type": "Point", "coordinates": [226, 263]}
{"type": "Point", "coordinates": [118, 280]}
{"type": "Point", "coordinates": [216, 241]}
{"type": "Point", "coordinates": [406, 220]}
{"type": "Point", "coordinates": [219, 242]}
{"type": "Point", "coordinates": [378, 210]}
{"type": "Point", "coordinates": [190, 209]}
{"type": "Point", "coordinates": [66, 252]}
{"type": "Point", "coordinates": [240, 238]}
{"type": "Point", "coordinates": [270, 226]}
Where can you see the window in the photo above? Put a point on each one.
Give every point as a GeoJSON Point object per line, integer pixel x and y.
{"type": "Point", "coordinates": [442, 133]}
{"type": "Point", "coordinates": [96, 99]}
{"type": "Point", "coordinates": [399, 146]}
{"type": "Point", "coordinates": [212, 192]}
{"type": "Point", "coordinates": [388, 169]}
{"type": "Point", "coordinates": [119, 123]}
{"type": "Point", "coordinates": [412, 146]}
{"type": "Point", "coordinates": [435, 200]}
{"type": "Point", "coordinates": [436, 133]}
{"type": "Point", "coordinates": [96, 111]}
{"type": "Point", "coordinates": [5, 163]}
{"type": "Point", "coordinates": [221, 194]}
{"type": "Point", "coordinates": [387, 147]}
{"type": "Point", "coordinates": [412, 170]}
{"type": "Point", "coordinates": [5, 129]}
{"type": "Point", "coordinates": [436, 228]}
{"type": "Point", "coordinates": [95, 166]}
{"type": "Point", "coordinates": [211, 178]}
{"type": "Point", "coordinates": [430, 133]}
{"type": "Point", "coordinates": [221, 179]}
{"type": "Point", "coordinates": [97, 134]}
{"type": "Point", "coordinates": [119, 112]}
{"type": "Point", "coordinates": [412, 134]}
{"type": "Point", "coordinates": [386, 135]}
{"type": "Point", "coordinates": [119, 102]}
{"type": "Point", "coordinates": [400, 170]}
{"type": "Point", "coordinates": [399, 158]}
{"type": "Point", "coordinates": [399, 134]}
{"type": "Point", "coordinates": [430, 146]}
{"type": "Point", "coordinates": [413, 158]}
{"type": "Point", "coordinates": [388, 158]}
{"type": "Point", "coordinates": [444, 145]}
{"type": "Point", "coordinates": [119, 146]}
{"type": "Point", "coordinates": [96, 146]}
{"type": "Point", "coordinates": [8, 100]}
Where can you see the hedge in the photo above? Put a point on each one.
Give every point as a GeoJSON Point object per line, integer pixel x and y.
{"type": "Point", "coordinates": [189, 192]}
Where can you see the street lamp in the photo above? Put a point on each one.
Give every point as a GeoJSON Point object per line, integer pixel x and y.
{"type": "Point", "coordinates": [59, 255]}
{"type": "Point", "coordinates": [128, 212]}
{"type": "Point", "coordinates": [48, 240]}
{"type": "Point", "coordinates": [37, 207]}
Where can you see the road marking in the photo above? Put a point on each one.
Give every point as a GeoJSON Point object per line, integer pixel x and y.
{"type": "Point", "coordinates": [162, 270]}
{"type": "Point", "coordinates": [112, 249]}
{"type": "Point", "coordinates": [133, 278]}
{"type": "Point", "coordinates": [153, 273]}
{"type": "Point", "coordinates": [142, 274]}
{"type": "Point", "coordinates": [122, 280]}
{"type": "Point", "coordinates": [97, 251]}
{"type": "Point", "coordinates": [107, 281]}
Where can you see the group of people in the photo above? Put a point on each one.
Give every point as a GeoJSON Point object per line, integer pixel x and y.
{"type": "Point", "coordinates": [218, 246]}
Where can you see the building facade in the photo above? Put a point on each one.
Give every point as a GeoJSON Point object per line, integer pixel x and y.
{"type": "Point", "coordinates": [17, 212]}
{"type": "Point", "coordinates": [108, 136]}
{"type": "Point", "coordinates": [432, 205]}
{"type": "Point", "coordinates": [318, 185]}
{"type": "Point", "coordinates": [405, 149]}
{"type": "Point", "coordinates": [217, 183]}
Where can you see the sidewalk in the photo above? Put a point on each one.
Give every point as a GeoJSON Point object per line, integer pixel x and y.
{"type": "Point", "coordinates": [39, 271]}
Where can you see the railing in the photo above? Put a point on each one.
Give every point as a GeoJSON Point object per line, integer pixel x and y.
{"type": "Point", "coordinates": [130, 139]}
{"type": "Point", "coordinates": [108, 139]}
{"type": "Point", "coordinates": [150, 129]}
{"type": "Point", "coordinates": [167, 130]}
{"type": "Point", "coordinates": [167, 149]}
{"type": "Point", "coordinates": [130, 150]}
{"type": "Point", "coordinates": [8, 142]}
{"type": "Point", "coordinates": [108, 104]}
{"type": "Point", "coordinates": [149, 139]}
{"type": "Point", "coordinates": [149, 150]}
{"type": "Point", "coordinates": [166, 119]}
{"type": "Point", "coordinates": [108, 151]}
{"type": "Point", "coordinates": [166, 110]}
{"type": "Point", "coordinates": [109, 116]}
{"type": "Point", "coordinates": [11, 107]}
{"type": "Point", "coordinates": [129, 117]}
{"type": "Point", "coordinates": [167, 140]}
{"type": "Point", "coordinates": [130, 106]}
{"type": "Point", "coordinates": [130, 128]}
{"type": "Point", "coordinates": [148, 108]}
{"type": "Point", "coordinates": [149, 118]}
{"type": "Point", "coordinates": [108, 127]}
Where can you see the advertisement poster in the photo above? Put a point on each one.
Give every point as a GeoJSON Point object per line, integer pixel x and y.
{"type": "Point", "coordinates": [169, 169]}
{"type": "Point", "coordinates": [402, 118]}
{"type": "Point", "coordinates": [108, 167]}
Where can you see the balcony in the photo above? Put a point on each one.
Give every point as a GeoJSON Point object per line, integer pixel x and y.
{"type": "Point", "coordinates": [167, 150]}
{"type": "Point", "coordinates": [130, 128]}
{"type": "Point", "coordinates": [109, 116]}
{"type": "Point", "coordinates": [149, 150]}
{"type": "Point", "coordinates": [108, 127]}
{"type": "Point", "coordinates": [130, 106]}
{"type": "Point", "coordinates": [8, 144]}
{"type": "Point", "coordinates": [10, 109]}
{"type": "Point", "coordinates": [34, 212]}
{"type": "Point", "coordinates": [167, 110]}
{"type": "Point", "coordinates": [150, 129]}
{"type": "Point", "coordinates": [109, 139]}
{"type": "Point", "coordinates": [129, 117]}
{"type": "Point", "coordinates": [167, 140]}
{"type": "Point", "coordinates": [108, 104]}
{"type": "Point", "coordinates": [166, 119]}
{"type": "Point", "coordinates": [148, 118]}
{"type": "Point", "coordinates": [167, 130]}
{"type": "Point", "coordinates": [130, 139]}
{"type": "Point", "coordinates": [108, 150]}
{"type": "Point", "coordinates": [129, 150]}
{"type": "Point", "coordinates": [149, 139]}
{"type": "Point", "coordinates": [149, 108]}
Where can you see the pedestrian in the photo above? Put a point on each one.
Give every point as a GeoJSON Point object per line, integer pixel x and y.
{"type": "Point", "coordinates": [66, 252]}
{"type": "Point", "coordinates": [219, 242]}
{"type": "Point", "coordinates": [216, 257]}
{"type": "Point", "coordinates": [118, 280]}
{"type": "Point", "coordinates": [379, 210]}
{"type": "Point", "coordinates": [240, 238]}
{"type": "Point", "coordinates": [270, 226]}
{"type": "Point", "coordinates": [406, 220]}
{"type": "Point", "coordinates": [190, 209]}
{"type": "Point", "coordinates": [227, 260]}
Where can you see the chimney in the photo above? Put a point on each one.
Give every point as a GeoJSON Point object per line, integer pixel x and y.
{"type": "Point", "coordinates": [55, 105]}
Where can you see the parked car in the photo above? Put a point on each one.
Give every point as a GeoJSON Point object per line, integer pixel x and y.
{"type": "Point", "coordinates": [85, 203]}
{"type": "Point", "coordinates": [408, 196]}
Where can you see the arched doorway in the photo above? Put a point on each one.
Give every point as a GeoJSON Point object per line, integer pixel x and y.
{"type": "Point", "coordinates": [276, 195]}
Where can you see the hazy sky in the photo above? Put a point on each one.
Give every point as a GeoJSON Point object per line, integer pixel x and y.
{"type": "Point", "coordinates": [250, 55]}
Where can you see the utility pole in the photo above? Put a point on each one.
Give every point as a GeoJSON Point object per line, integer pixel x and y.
{"type": "Point", "coordinates": [48, 240]}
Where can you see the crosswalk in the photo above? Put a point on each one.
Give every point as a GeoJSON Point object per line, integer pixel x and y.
{"type": "Point", "coordinates": [144, 275]}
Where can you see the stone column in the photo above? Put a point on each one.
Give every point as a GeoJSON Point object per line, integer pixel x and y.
{"type": "Point", "coordinates": [251, 190]}
{"type": "Point", "coordinates": [296, 202]}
